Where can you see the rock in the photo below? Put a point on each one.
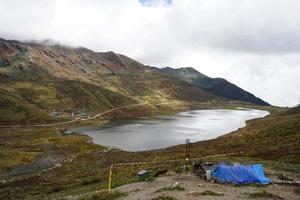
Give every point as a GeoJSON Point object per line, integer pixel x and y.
{"type": "Point", "coordinates": [58, 165]}
{"type": "Point", "coordinates": [285, 178]}
{"type": "Point", "coordinates": [171, 173]}
{"type": "Point", "coordinates": [199, 185]}
{"type": "Point", "coordinates": [175, 184]}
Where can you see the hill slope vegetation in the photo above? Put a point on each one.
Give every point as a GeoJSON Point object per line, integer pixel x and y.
{"type": "Point", "coordinates": [42, 83]}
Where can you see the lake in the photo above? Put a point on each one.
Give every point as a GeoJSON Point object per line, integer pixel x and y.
{"type": "Point", "coordinates": [156, 132]}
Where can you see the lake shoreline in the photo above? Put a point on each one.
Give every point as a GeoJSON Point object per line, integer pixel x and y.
{"type": "Point", "coordinates": [155, 116]}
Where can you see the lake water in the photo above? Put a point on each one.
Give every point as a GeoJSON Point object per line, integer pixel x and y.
{"type": "Point", "coordinates": [162, 131]}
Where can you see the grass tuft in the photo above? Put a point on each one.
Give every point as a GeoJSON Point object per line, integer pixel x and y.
{"type": "Point", "coordinates": [177, 188]}
{"type": "Point", "coordinates": [211, 193]}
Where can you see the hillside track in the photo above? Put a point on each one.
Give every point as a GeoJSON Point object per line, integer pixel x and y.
{"type": "Point", "coordinates": [75, 120]}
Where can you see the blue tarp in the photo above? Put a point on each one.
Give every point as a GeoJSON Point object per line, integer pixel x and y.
{"type": "Point", "coordinates": [241, 174]}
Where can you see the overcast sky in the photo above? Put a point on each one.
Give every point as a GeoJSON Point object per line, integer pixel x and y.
{"type": "Point", "coordinates": [252, 43]}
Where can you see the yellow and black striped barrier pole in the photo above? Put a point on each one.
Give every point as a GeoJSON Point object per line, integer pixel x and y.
{"type": "Point", "coordinates": [109, 177]}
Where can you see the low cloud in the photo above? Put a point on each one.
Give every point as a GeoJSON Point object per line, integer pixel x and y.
{"type": "Point", "coordinates": [253, 43]}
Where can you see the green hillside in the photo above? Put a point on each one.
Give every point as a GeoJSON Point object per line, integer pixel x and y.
{"type": "Point", "coordinates": [42, 83]}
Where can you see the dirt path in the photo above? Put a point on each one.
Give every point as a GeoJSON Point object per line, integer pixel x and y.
{"type": "Point", "coordinates": [77, 119]}
{"type": "Point", "coordinates": [194, 185]}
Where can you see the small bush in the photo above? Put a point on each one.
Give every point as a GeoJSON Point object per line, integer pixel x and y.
{"type": "Point", "coordinates": [104, 195]}
{"type": "Point", "coordinates": [177, 188]}
{"type": "Point", "coordinates": [164, 198]}
{"type": "Point", "coordinates": [211, 193]}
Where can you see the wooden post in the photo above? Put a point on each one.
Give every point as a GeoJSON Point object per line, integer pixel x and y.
{"type": "Point", "coordinates": [109, 177]}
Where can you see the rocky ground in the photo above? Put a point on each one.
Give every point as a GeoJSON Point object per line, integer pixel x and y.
{"type": "Point", "coordinates": [194, 187]}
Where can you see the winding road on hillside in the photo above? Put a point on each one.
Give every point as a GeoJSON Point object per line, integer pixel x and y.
{"type": "Point", "coordinates": [75, 120]}
{"type": "Point", "coordinates": [80, 119]}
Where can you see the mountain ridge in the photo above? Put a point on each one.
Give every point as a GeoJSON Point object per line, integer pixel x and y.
{"type": "Point", "coordinates": [217, 86]}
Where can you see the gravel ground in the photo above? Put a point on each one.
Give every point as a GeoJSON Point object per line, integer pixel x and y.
{"type": "Point", "coordinates": [194, 185]}
{"type": "Point", "coordinates": [44, 161]}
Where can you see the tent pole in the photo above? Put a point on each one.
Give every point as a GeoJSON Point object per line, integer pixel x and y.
{"type": "Point", "coordinates": [187, 153]}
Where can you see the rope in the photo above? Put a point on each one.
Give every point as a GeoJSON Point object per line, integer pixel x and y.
{"type": "Point", "coordinates": [166, 161]}
{"type": "Point", "coordinates": [153, 162]}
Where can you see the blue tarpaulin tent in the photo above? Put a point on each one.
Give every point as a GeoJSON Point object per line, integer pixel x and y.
{"type": "Point", "coordinates": [241, 174]}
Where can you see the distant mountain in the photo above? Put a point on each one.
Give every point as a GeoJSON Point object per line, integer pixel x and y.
{"type": "Point", "coordinates": [46, 82]}
{"type": "Point", "coordinates": [217, 86]}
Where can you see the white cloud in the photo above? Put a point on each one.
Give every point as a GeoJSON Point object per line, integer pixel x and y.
{"type": "Point", "coordinates": [253, 43]}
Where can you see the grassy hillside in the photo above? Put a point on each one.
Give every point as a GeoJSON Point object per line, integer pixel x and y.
{"type": "Point", "coordinates": [33, 101]}
{"type": "Point", "coordinates": [275, 137]}
{"type": "Point", "coordinates": [217, 86]}
{"type": "Point", "coordinates": [41, 83]}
